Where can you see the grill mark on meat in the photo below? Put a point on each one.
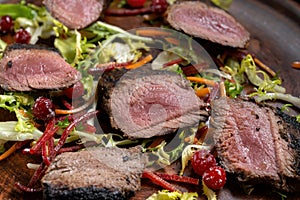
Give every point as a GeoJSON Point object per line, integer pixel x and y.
{"type": "Point", "coordinates": [32, 67]}
{"type": "Point", "coordinates": [75, 14]}
{"type": "Point", "coordinates": [210, 23]}
{"type": "Point", "coordinates": [144, 103]}
{"type": "Point", "coordinates": [97, 173]}
{"type": "Point", "coordinates": [265, 155]}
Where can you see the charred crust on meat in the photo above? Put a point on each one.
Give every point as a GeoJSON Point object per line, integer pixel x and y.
{"type": "Point", "coordinates": [18, 46]}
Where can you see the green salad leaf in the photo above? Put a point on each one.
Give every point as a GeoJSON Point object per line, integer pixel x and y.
{"type": "Point", "coordinates": [166, 195]}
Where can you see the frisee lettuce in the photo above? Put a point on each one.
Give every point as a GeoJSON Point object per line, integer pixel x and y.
{"type": "Point", "coordinates": [167, 195]}
{"type": "Point", "coordinates": [209, 193]}
{"type": "Point", "coordinates": [187, 154]}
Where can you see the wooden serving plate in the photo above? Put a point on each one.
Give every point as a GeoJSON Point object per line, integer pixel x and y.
{"type": "Point", "coordinates": [275, 39]}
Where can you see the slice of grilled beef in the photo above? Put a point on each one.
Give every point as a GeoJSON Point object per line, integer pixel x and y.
{"type": "Point", "coordinates": [256, 143]}
{"type": "Point", "coordinates": [75, 14]}
{"type": "Point", "coordinates": [30, 67]}
{"type": "Point", "coordinates": [143, 103]}
{"type": "Point", "coordinates": [98, 173]}
{"type": "Point", "coordinates": [197, 19]}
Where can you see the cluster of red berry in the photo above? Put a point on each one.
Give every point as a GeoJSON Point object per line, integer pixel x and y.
{"type": "Point", "coordinates": [6, 26]}
{"type": "Point", "coordinates": [205, 165]}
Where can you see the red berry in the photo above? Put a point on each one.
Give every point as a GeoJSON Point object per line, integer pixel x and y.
{"type": "Point", "coordinates": [214, 177]}
{"type": "Point", "coordinates": [74, 92]}
{"type": "Point", "coordinates": [6, 24]}
{"type": "Point", "coordinates": [43, 109]}
{"type": "Point", "coordinates": [136, 3]}
{"type": "Point", "coordinates": [159, 6]}
{"type": "Point", "coordinates": [22, 36]}
{"type": "Point", "coordinates": [202, 160]}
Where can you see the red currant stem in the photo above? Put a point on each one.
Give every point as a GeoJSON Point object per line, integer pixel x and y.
{"type": "Point", "coordinates": [159, 181]}
{"type": "Point", "coordinates": [37, 174]}
{"type": "Point", "coordinates": [76, 110]}
{"type": "Point", "coordinates": [177, 178]}
{"type": "Point", "coordinates": [48, 133]}
{"type": "Point", "coordinates": [45, 154]}
{"type": "Point", "coordinates": [67, 104]}
{"type": "Point", "coordinates": [27, 189]}
{"type": "Point", "coordinates": [173, 62]}
{"type": "Point", "coordinates": [69, 129]}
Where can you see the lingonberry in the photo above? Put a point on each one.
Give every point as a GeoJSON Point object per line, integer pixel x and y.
{"type": "Point", "coordinates": [43, 109]}
{"type": "Point", "coordinates": [202, 160]}
{"type": "Point", "coordinates": [214, 177]}
{"type": "Point", "coordinates": [22, 36]}
{"type": "Point", "coordinates": [6, 24]}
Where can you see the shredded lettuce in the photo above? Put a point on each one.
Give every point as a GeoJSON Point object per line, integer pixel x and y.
{"type": "Point", "coordinates": [19, 103]}
{"type": "Point", "coordinates": [264, 85]}
{"type": "Point", "coordinates": [40, 25]}
{"type": "Point", "coordinates": [16, 10]}
{"type": "Point", "coordinates": [279, 96]}
{"type": "Point", "coordinates": [166, 195]}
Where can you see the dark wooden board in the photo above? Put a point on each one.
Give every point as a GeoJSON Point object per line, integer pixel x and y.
{"type": "Point", "coordinates": [275, 39]}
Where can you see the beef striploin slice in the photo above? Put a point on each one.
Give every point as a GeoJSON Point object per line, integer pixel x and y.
{"type": "Point", "coordinates": [256, 143]}
{"type": "Point", "coordinates": [143, 103]}
{"type": "Point", "coordinates": [29, 67]}
{"type": "Point", "coordinates": [197, 19]}
{"type": "Point", "coordinates": [97, 173]}
{"type": "Point", "coordinates": [75, 14]}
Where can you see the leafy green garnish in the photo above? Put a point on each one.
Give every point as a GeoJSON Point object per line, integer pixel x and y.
{"type": "Point", "coordinates": [16, 10]}
{"type": "Point", "coordinates": [166, 195]}
{"type": "Point", "coordinates": [233, 89]}
{"type": "Point", "coordinates": [187, 154]}
{"type": "Point", "coordinates": [19, 104]}
{"type": "Point", "coordinates": [264, 85]}
{"type": "Point", "coordinates": [224, 4]}
{"type": "Point", "coordinates": [210, 194]}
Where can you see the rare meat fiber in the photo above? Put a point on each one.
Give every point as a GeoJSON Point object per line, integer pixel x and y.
{"type": "Point", "coordinates": [256, 143]}
{"type": "Point", "coordinates": [75, 14]}
{"type": "Point", "coordinates": [29, 67]}
{"type": "Point", "coordinates": [143, 103]}
{"type": "Point", "coordinates": [96, 173]}
{"type": "Point", "coordinates": [197, 19]}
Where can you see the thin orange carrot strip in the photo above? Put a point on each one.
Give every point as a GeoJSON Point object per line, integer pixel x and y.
{"type": "Point", "coordinates": [202, 92]}
{"type": "Point", "coordinates": [201, 80]}
{"type": "Point", "coordinates": [152, 32]}
{"type": "Point", "coordinates": [10, 151]}
{"type": "Point", "coordinates": [140, 63]}
{"type": "Point", "coordinates": [264, 67]}
{"type": "Point", "coordinates": [296, 64]}
{"type": "Point", "coordinates": [172, 40]}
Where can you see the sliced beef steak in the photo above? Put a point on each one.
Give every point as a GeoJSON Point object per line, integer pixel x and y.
{"type": "Point", "coordinates": [75, 14]}
{"type": "Point", "coordinates": [29, 67]}
{"type": "Point", "coordinates": [256, 143]}
{"type": "Point", "coordinates": [99, 173]}
{"type": "Point", "coordinates": [143, 103]}
{"type": "Point", "coordinates": [197, 19]}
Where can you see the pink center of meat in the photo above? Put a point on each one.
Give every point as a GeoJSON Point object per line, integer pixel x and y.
{"type": "Point", "coordinates": [153, 104]}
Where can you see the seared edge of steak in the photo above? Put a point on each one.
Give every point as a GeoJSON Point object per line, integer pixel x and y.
{"type": "Point", "coordinates": [99, 172]}
{"type": "Point", "coordinates": [134, 91]}
{"type": "Point", "coordinates": [250, 143]}
{"type": "Point", "coordinates": [75, 14]}
{"type": "Point", "coordinates": [30, 67]}
{"type": "Point", "coordinates": [210, 23]}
